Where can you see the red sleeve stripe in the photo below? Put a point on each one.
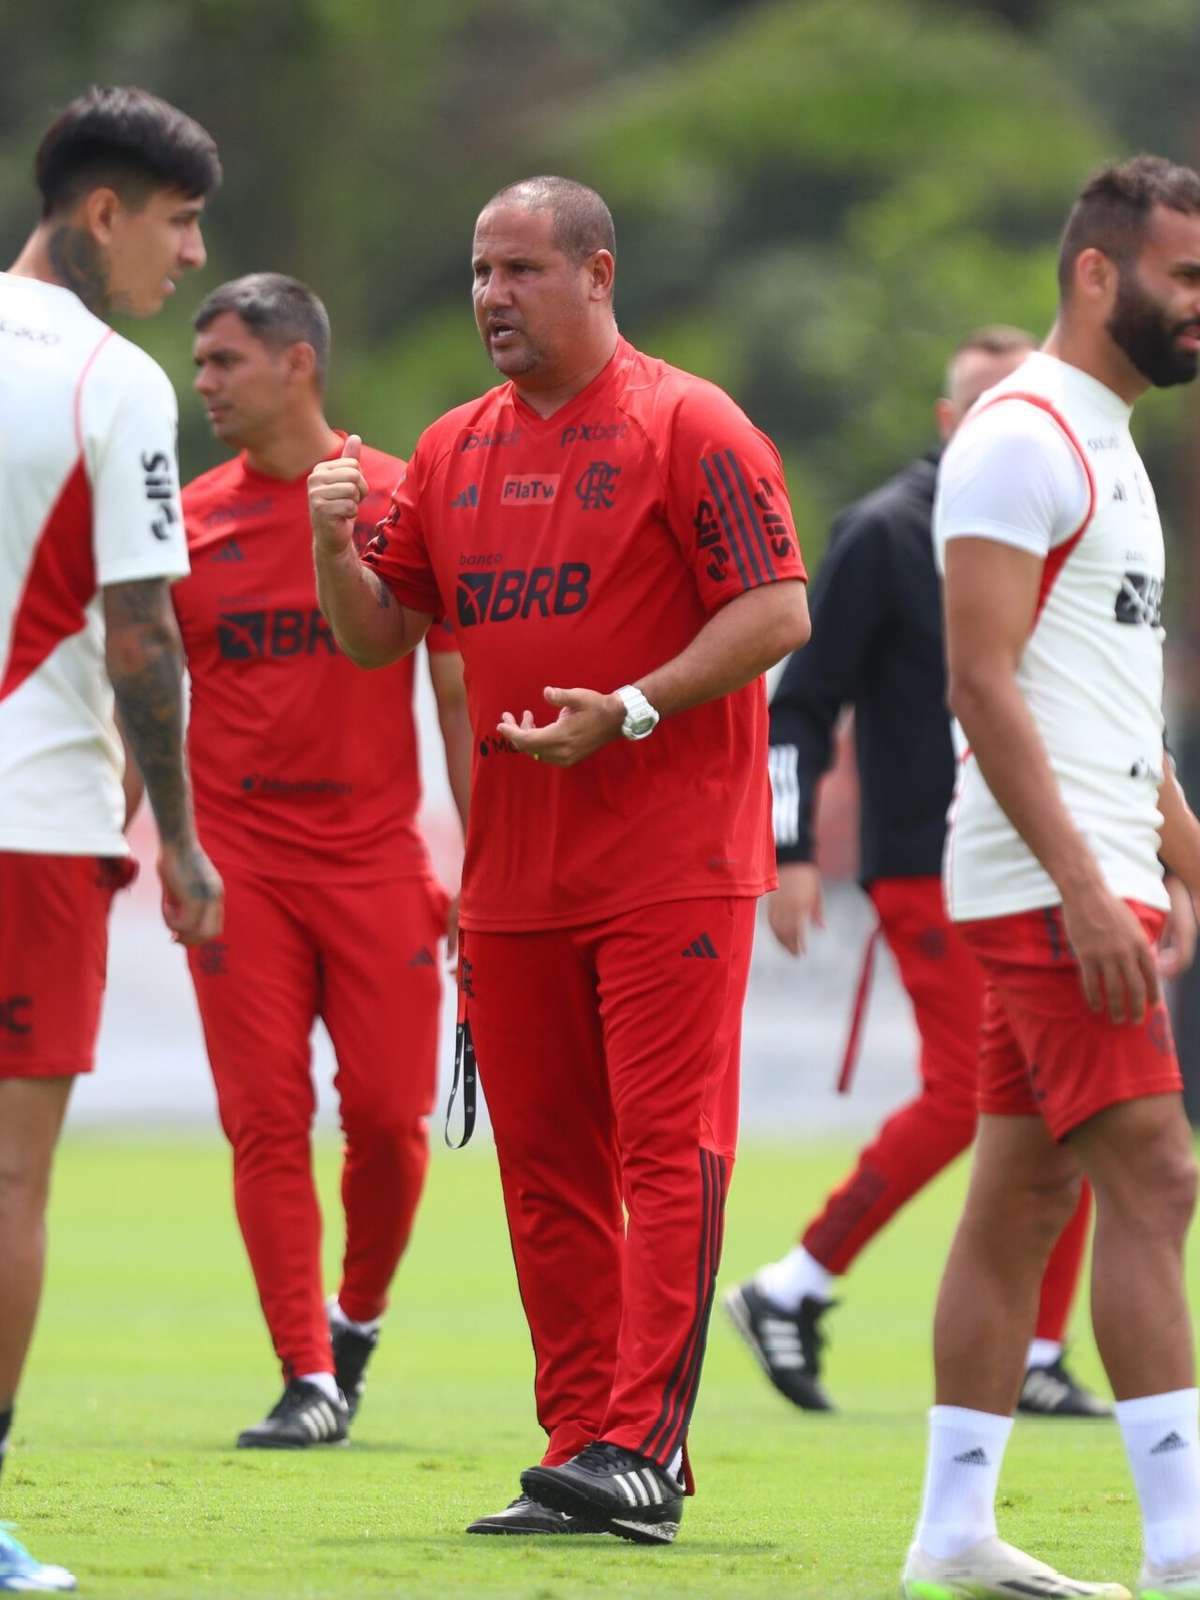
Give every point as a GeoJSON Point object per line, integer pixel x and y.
{"type": "Point", "coordinates": [731, 538]}
{"type": "Point", "coordinates": [755, 518]}
{"type": "Point", "coordinates": [1057, 558]}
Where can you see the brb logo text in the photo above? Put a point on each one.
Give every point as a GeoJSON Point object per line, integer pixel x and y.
{"type": "Point", "coordinates": [557, 591]}
{"type": "Point", "coordinates": [251, 635]}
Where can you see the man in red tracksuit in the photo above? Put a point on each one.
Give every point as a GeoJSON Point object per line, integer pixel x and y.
{"type": "Point", "coordinates": [603, 521]}
{"type": "Point", "coordinates": [308, 799]}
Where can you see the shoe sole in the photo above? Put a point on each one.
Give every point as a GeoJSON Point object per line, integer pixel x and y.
{"type": "Point", "coordinates": [552, 1491]}
{"type": "Point", "coordinates": [1066, 1415]}
{"type": "Point", "coordinates": [291, 1444]}
{"type": "Point", "coordinates": [511, 1532]}
{"type": "Point", "coordinates": [739, 1316]}
{"type": "Point", "coordinates": [927, 1589]}
{"type": "Point", "coordinates": [17, 1585]}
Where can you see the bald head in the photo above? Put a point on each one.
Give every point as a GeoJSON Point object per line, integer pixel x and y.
{"type": "Point", "coordinates": [581, 223]}
{"type": "Point", "coordinates": [981, 360]}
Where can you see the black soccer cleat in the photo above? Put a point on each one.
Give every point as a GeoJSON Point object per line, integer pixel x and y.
{"type": "Point", "coordinates": [1052, 1392]}
{"type": "Point", "coordinates": [524, 1515]}
{"type": "Point", "coordinates": [786, 1344]}
{"type": "Point", "coordinates": [351, 1352]}
{"type": "Point", "coordinates": [303, 1417]}
{"type": "Point", "coordinates": [614, 1490]}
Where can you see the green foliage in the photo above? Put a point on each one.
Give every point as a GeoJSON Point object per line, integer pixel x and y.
{"type": "Point", "coordinates": [814, 198]}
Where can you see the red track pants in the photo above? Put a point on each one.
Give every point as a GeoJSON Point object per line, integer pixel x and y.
{"type": "Point", "coordinates": [945, 984]}
{"type": "Point", "coordinates": [610, 1059]}
{"type": "Point", "coordinates": [364, 958]}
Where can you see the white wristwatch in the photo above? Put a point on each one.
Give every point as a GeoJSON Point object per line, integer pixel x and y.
{"type": "Point", "coordinates": [641, 719]}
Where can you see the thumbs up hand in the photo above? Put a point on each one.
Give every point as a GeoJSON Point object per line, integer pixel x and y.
{"type": "Point", "coordinates": [336, 489]}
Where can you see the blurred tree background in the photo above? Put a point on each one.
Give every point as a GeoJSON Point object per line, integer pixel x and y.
{"type": "Point", "coordinates": [814, 198]}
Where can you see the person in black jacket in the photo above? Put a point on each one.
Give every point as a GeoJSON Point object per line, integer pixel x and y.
{"type": "Point", "coordinates": [877, 646]}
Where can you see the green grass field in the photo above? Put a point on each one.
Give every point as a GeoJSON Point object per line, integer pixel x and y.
{"type": "Point", "coordinates": [150, 1357]}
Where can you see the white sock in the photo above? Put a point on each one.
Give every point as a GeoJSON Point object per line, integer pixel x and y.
{"type": "Point", "coordinates": [1162, 1439]}
{"type": "Point", "coordinates": [325, 1381]}
{"type": "Point", "coordinates": [365, 1328]}
{"type": "Point", "coordinates": [966, 1449]}
{"type": "Point", "coordinates": [797, 1276]}
{"type": "Point", "coordinates": [1043, 1353]}
{"type": "Point", "coordinates": [676, 1465]}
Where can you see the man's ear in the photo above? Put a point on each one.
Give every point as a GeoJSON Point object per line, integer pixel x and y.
{"type": "Point", "coordinates": [96, 213]}
{"type": "Point", "coordinates": [301, 362]}
{"type": "Point", "coordinates": [602, 269]}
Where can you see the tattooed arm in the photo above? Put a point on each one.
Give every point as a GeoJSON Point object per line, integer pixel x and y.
{"type": "Point", "coordinates": [145, 665]}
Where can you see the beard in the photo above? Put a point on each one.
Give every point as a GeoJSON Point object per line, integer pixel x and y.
{"type": "Point", "coordinates": [1140, 327]}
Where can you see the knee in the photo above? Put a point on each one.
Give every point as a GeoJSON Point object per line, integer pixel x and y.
{"type": "Point", "coordinates": [1157, 1197]}
{"type": "Point", "coordinates": [383, 1131]}
{"type": "Point", "coordinates": [1053, 1203]}
{"type": "Point", "coordinates": [1035, 1211]}
{"type": "Point", "coordinates": [24, 1181]}
{"type": "Point", "coordinates": [253, 1125]}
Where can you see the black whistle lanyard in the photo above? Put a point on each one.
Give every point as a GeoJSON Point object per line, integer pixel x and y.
{"type": "Point", "coordinates": [466, 1074]}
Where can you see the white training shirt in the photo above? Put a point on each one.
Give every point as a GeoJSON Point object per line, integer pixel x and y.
{"type": "Point", "coordinates": [1045, 462]}
{"type": "Point", "coordinates": [89, 496]}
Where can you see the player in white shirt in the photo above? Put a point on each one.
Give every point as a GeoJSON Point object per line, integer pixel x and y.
{"type": "Point", "coordinates": [1065, 809]}
{"type": "Point", "coordinates": [91, 535]}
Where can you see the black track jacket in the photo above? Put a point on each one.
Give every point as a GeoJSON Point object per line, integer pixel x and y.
{"type": "Point", "coordinates": [877, 646]}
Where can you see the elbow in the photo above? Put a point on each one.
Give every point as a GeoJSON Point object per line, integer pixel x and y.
{"type": "Point", "coordinates": [967, 692]}
{"type": "Point", "coordinates": [368, 660]}
{"type": "Point", "coordinates": [793, 625]}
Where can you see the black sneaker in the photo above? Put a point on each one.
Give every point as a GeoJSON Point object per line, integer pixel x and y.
{"type": "Point", "coordinates": [351, 1352]}
{"type": "Point", "coordinates": [524, 1515]}
{"type": "Point", "coordinates": [613, 1489]}
{"type": "Point", "coordinates": [786, 1344]}
{"type": "Point", "coordinates": [304, 1416]}
{"type": "Point", "coordinates": [1052, 1392]}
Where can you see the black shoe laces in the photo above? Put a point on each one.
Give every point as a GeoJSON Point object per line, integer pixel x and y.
{"type": "Point", "coordinates": [603, 1456]}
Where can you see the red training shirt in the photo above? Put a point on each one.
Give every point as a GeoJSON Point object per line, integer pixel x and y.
{"type": "Point", "coordinates": [584, 550]}
{"type": "Point", "coordinates": [301, 767]}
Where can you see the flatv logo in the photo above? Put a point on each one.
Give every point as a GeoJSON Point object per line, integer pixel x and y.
{"type": "Point", "coordinates": [529, 488]}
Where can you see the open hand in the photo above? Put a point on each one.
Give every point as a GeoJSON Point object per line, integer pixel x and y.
{"type": "Point", "coordinates": [586, 720]}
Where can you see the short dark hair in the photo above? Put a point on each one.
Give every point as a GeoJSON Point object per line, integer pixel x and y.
{"type": "Point", "coordinates": [278, 310]}
{"type": "Point", "coordinates": [127, 139]}
{"type": "Point", "coordinates": [583, 223]}
{"type": "Point", "coordinates": [1113, 210]}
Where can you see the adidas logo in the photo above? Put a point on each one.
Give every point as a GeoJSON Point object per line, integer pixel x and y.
{"type": "Point", "coordinates": [469, 497]}
{"type": "Point", "coordinates": [1164, 1447]}
{"type": "Point", "coordinates": [229, 552]}
{"type": "Point", "coordinates": [423, 958]}
{"type": "Point", "coordinates": [973, 1458]}
{"type": "Point", "coordinates": [319, 1421]}
{"type": "Point", "coordinates": [640, 1488]}
{"type": "Point", "coordinates": [701, 948]}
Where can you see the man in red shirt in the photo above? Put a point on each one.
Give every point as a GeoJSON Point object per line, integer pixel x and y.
{"type": "Point", "coordinates": [604, 521]}
{"type": "Point", "coordinates": [309, 803]}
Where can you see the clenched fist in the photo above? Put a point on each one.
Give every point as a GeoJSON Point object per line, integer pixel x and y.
{"type": "Point", "coordinates": [336, 489]}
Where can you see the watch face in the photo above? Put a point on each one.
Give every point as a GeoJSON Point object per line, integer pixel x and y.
{"type": "Point", "coordinates": [640, 725]}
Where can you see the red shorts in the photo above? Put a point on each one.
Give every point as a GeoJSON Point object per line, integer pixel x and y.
{"type": "Point", "coordinates": [1042, 1051]}
{"type": "Point", "coordinates": [53, 957]}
